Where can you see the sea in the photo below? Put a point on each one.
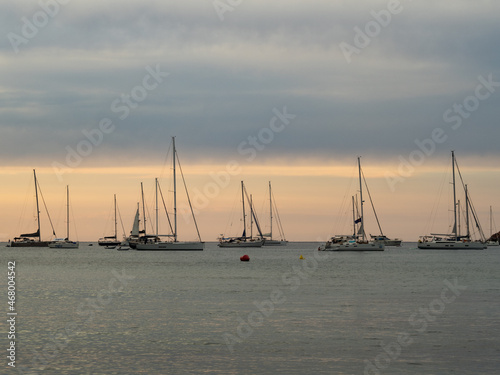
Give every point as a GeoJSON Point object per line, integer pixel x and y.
{"type": "Point", "coordinates": [289, 310]}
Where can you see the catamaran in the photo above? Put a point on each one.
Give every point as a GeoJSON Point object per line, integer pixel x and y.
{"type": "Point", "coordinates": [65, 243]}
{"type": "Point", "coordinates": [453, 240]}
{"type": "Point", "coordinates": [171, 244]}
{"type": "Point", "coordinates": [34, 239]}
{"type": "Point", "coordinates": [244, 240]}
{"type": "Point", "coordinates": [358, 241]}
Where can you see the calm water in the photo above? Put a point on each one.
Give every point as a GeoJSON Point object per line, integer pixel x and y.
{"type": "Point", "coordinates": [98, 311]}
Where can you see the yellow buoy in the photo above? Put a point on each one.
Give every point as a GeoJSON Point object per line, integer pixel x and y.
{"type": "Point", "coordinates": [301, 257]}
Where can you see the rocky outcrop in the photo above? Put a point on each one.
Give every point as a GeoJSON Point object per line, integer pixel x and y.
{"type": "Point", "coordinates": [495, 237]}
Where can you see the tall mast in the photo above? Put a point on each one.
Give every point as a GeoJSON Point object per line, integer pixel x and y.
{"type": "Point", "coordinates": [353, 219]}
{"type": "Point", "coordinates": [116, 223]}
{"type": "Point", "coordinates": [243, 200]}
{"type": "Point", "coordinates": [143, 209]}
{"type": "Point", "coordinates": [454, 196]}
{"type": "Point", "coordinates": [37, 207]}
{"type": "Point", "coordinates": [467, 210]}
{"type": "Point", "coordinates": [67, 212]}
{"type": "Point", "coordinates": [361, 198]}
{"type": "Point", "coordinates": [175, 192]}
{"type": "Point", "coordinates": [156, 204]}
{"type": "Point", "coordinates": [270, 211]}
{"type": "Point", "coordinates": [491, 222]}
{"type": "Point", "coordinates": [251, 216]}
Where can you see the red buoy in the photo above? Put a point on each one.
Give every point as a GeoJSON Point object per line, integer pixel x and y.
{"type": "Point", "coordinates": [245, 258]}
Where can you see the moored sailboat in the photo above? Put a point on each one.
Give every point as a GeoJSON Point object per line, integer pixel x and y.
{"type": "Point", "coordinates": [453, 240]}
{"type": "Point", "coordinates": [244, 240]}
{"type": "Point", "coordinates": [172, 244]}
{"type": "Point", "coordinates": [65, 243]}
{"type": "Point", "coordinates": [33, 239]}
{"type": "Point", "coordinates": [269, 240]}
{"type": "Point", "coordinates": [110, 241]}
{"type": "Point", "coordinates": [358, 241]}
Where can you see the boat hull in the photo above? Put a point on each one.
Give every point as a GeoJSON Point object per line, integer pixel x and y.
{"type": "Point", "coordinates": [241, 244]}
{"type": "Point", "coordinates": [30, 244]}
{"type": "Point", "coordinates": [353, 247]}
{"type": "Point", "coordinates": [451, 245]}
{"type": "Point", "coordinates": [170, 246]}
{"type": "Point", "coordinates": [64, 245]}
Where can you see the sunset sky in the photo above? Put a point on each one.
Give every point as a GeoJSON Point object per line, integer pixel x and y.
{"type": "Point", "coordinates": [286, 91]}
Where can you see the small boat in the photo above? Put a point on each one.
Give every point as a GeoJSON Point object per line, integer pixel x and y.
{"type": "Point", "coordinates": [65, 243]}
{"type": "Point", "coordinates": [494, 239]}
{"type": "Point", "coordinates": [453, 240]}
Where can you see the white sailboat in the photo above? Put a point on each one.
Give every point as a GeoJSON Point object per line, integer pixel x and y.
{"type": "Point", "coordinates": [172, 244]}
{"type": "Point", "coordinates": [358, 240]}
{"type": "Point", "coordinates": [243, 240]}
{"type": "Point", "coordinates": [65, 243]}
{"type": "Point", "coordinates": [453, 240]}
{"type": "Point", "coordinates": [269, 236]}
{"type": "Point", "coordinates": [33, 239]}
{"type": "Point", "coordinates": [111, 241]}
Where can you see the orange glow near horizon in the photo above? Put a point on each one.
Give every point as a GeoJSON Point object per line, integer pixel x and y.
{"type": "Point", "coordinates": [312, 199]}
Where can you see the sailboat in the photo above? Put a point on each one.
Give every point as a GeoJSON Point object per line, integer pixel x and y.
{"type": "Point", "coordinates": [244, 240]}
{"type": "Point", "coordinates": [33, 239]}
{"type": "Point", "coordinates": [453, 240]}
{"type": "Point", "coordinates": [494, 239]}
{"type": "Point", "coordinates": [111, 241]}
{"type": "Point", "coordinates": [358, 240]}
{"type": "Point", "coordinates": [269, 236]}
{"type": "Point", "coordinates": [172, 244]}
{"type": "Point", "coordinates": [65, 243]}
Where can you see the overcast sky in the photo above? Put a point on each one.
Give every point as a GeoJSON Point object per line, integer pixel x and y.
{"type": "Point", "coordinates": [223, 70]}
{"type": "Point", "coordinates": [230, 66]}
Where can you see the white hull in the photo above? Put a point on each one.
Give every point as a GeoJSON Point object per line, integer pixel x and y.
{"type": "Point", "coordinates": [492, 244]}
{"type": "Point", "coordinates": [171, 246]}
{"type": "Point", "coordinates": [451, 245]}
{"type": "Point", "coordinates": [241, 243]}
{"type": "Point", "coordinates": [64, 245]}
{"type": "Point", "coordinates": [353, 246]}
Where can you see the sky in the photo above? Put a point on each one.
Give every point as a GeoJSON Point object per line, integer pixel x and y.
{"type": "Point", "coordinates": [290, 92]}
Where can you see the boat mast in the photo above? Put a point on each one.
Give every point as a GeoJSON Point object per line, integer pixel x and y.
{"type": "Point", "coordinates": [143, 209]}
{"type": "Point", "coordinates": [156, 204]}
{"type": "Point", "coordinates": [361, 198]}
{"type": "Point", "coordinates": [175, 192]}
{"type": "Point", "coordinates": [251, 216]}
{"type": "Point", "coordinates": [270, 211]}
{"type": "Point", "coordinates": [354, 219]}
{"type": "Point", "coordinates": [116, 231]}
{"type": "Point", "coordinates": [491, 223]}
{"type": "Point", "coordinates": [454, 197]}
{"type": "Point", "coordinates": [467, 211]}
{"type": "Point", "coordinates": [243, 201]}
{"type": "Point", "coordinates": [37, 208]}
{"type": "Point", "coordinates": [67, 212]}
